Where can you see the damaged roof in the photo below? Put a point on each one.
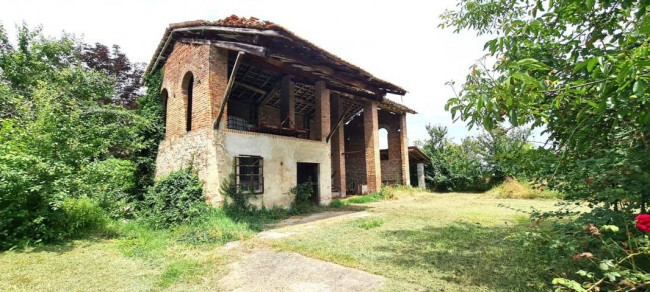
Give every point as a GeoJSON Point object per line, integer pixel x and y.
{"type": "Point", "coordinates": [279, 47]}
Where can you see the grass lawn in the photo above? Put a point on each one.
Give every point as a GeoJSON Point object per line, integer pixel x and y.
{"type": "Point", "coordinates": [450, 242]}
{"type": "Point", "coordinates": [437, 242]}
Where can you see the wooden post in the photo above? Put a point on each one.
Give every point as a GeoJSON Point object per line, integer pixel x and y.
{"type": "Point", "coordinates": [287, 103]}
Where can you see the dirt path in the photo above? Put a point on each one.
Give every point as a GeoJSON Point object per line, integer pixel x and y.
{"type": "Point", "coordinates": [262, 269]}
{"type": "Point", "coordinates": [267, 270]}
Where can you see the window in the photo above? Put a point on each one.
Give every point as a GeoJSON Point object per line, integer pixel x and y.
{"type": "Point", "coordinates": [249, 174]}
{"type": "Point", "coordinates": [383, 144]}
{"type": "Point", "coordinates": [188, 88]}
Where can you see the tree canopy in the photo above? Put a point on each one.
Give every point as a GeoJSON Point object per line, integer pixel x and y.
{"type": "Point", "coordinates": [577, 69]}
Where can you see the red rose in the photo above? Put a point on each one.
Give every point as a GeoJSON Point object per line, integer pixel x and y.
{"type": "Point", "coordinates": [643, 222]}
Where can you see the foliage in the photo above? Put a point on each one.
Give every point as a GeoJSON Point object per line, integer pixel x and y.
{"type": "Point", "coordinates": [56, 134]}
{"type": "Point", "coordinates": [607, 251]}
{"type": "Point", "coordinates": [579, 70]}
{"type": "Point", "coordinates": [239, 201]}
{"type": "Point", "coordinates": [483, 161]}
{"type": "Point", "coordinates": [175, 199]}
{"type": "Point", "coordinates": [302, 194]}
{"type": "Point", "coordinates": [83, 215]}
{"type": "Point", "coordinates": [110, 183]}
{"type": "Point", "coordinates": [112, 62]}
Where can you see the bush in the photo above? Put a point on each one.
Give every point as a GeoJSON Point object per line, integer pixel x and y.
{"type": "Point", "coordinates": [238, 200]}
{"type": "Point", "coordinates": [176, 199]}
{"type": "Point", "coordinates": [302, 193]}
{"type": "Point", "coordinates": [83, 215]}
{"type": "Point", "coordinates": [110, 183]}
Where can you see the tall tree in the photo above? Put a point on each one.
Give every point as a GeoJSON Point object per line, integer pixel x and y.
{"type": "Point", "coordinates": [113, 62]}
{"type": "Point", "coordinates": [579, 69]}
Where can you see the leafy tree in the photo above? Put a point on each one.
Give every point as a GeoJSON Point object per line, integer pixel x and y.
{"type": "Point", "coordinates": [59, 140]}
{"type": "Point", "coordinates": [453, 167]}
{"type": "Point", "coordinates": [112, 62]}
{"type": "Point", "coordinates": [578, 69]}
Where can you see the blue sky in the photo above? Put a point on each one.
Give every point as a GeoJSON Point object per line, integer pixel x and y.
{"type": "Point", "coordinates": [398, 41]}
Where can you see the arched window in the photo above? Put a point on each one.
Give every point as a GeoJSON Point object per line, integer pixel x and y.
{"type": "Point", "coordinates": [164, 96]}
{"type": "Point", "coordinates": [383, 143]}
{"type": "Point", "coordinates": [188, 87]}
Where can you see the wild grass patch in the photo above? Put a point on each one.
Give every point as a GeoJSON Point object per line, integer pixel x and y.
{"type": "Point", "coordinates": [512, 188]}
{"type": "Point", "coordinates": [368, 223]}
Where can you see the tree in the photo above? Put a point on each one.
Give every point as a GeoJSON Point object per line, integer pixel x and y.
{"type": "Point", "coordinates": [114, 63]}
{"type": "Point", "coordinates": [578, 69]}
{"type": "Point", "coordinates": [61, 143]}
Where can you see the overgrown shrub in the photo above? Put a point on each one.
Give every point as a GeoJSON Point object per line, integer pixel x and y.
{"type": "Point", "coordinates": [600, 250]}
{"type": "Point", "coordinates": [110, 183]}
{"type": "Point", "coordinates": [175, 199]}
{"type": "Point", "coordinates": [302, 194]}
{"type": "Point", "coordinates": [82, 215]}
{"type": "Point", "coordinates": [235, 201]}
{"type": "Point", "coordinates": [61, 139]}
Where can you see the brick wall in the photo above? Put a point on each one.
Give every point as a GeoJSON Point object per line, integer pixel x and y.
{"type": "Point", "coordinates": [391, 169]}
{"type": "Point", "coordinates": [355, 164]}
{"type": "Point", "coordinates": [208, 66]}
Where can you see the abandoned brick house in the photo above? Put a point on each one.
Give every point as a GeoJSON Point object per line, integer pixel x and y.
{"type": "Point", "coordinates": [249, 97]}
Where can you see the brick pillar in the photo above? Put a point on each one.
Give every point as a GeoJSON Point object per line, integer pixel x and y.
{"type": "Point", "coordinates": [404, 149]}
{"type": "Point", "coordinates": [421, 183]}
{"type": "Point", "coordinates": [338, 147]}
{"type": "Point", "coordinates": [218, 65]}
{"type": "Point", "coordinates": [287, 103]}
{"type": "Point", "coordinates": [371, 138]}
{"type": "Point", "coordinates": [322, 100]}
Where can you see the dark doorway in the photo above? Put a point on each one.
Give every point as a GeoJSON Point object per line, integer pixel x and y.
{"type": "Point", "coordinates": [308, 172]}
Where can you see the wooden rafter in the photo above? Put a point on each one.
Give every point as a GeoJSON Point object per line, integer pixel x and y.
{"type": "Point", "coordinates": [226, 94]}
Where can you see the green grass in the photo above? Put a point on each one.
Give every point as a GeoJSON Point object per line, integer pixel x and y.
{"type": "Point", "coordinates": [436, 242]}
{"type": "Point", "coordinates": [450, 242]}
{"type": "Point", "coordinates": [368, 223]}
{"type": "Point", "coordinates": [136, 258]}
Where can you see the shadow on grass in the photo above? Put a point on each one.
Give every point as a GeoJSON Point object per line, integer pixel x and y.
{"type": "Point", "coordinates": [471, 254]}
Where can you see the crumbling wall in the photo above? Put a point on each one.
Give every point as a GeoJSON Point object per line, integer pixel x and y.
{"type": "Point", "coordinates": [197, 148]}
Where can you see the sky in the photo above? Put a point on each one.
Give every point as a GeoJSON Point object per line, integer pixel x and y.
{"type": "Point", "coordinates": [398, 41]}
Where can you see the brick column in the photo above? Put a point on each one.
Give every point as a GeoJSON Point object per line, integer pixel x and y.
{"type": "Point", "coordinates": [322, 100]}
{"type": "Point", "coordinates": [287, 103]}
{"type": "Point", "coordinates": [338, 147]}
{"type": "Point", "coordinates": [404, 149]}
{"type": "Point", "coordinates": [371, 138]}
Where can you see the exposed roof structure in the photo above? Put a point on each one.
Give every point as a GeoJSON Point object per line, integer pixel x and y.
{"type": "Point", "coordinates": [416, 155]}
{"type": "Point", "coordinates": [280, 50]}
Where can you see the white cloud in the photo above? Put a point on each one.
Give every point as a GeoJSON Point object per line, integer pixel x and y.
{"type": "Point", "coordinates": [398, 41]}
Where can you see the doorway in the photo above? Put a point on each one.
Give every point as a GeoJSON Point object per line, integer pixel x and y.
{"type": "Point", "coordinates": [308, 173]}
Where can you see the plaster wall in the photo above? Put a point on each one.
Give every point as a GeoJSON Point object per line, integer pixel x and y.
{"type": "Point", "coordinates": [281, 155]}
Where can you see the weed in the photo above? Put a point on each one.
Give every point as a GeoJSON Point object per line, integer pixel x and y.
{"type": "Point", "coordinates": [368, 223]}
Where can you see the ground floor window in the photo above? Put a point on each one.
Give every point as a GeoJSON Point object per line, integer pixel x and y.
{"type": "Point", "coordinates": [249, 174]}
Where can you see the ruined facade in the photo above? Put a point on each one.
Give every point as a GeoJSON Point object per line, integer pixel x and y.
{"type": "Point", "coordinates": [248, 99]}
